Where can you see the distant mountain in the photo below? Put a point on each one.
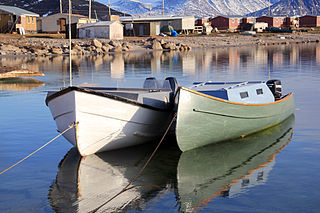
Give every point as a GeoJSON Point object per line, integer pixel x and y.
{"type": "Point", "coordinates": [194, 7]}
{"type": "Point", "coordinates": [291, 8]}
{"type": "Point", "coordinates": [47, 7]}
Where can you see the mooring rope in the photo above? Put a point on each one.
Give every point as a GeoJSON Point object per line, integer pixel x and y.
{"type": "Point", "coordinates": [141, 170]}
{"type": "Point", "coordinates": [70, 127]}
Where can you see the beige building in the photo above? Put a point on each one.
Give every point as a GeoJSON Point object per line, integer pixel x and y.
{"type": "Point", "coordinates": [57, 22]}
{"type": "Point", "coordinates": [13, 19]}
{"type": "Point", "coordinates": [102, 29]}
{"type": "Point", "coordinates": [180, 24]}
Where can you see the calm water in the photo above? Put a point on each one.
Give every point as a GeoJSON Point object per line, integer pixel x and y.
{"type": "Point", "coordinates": [276, 170]}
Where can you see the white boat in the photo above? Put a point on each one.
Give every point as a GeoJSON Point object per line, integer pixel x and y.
{"type": "Point", "coordinates": [113, 118]}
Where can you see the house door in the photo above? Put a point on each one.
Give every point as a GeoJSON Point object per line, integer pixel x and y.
{"type": "Point", "coordinates": [62, 22]}
{"type": "Point", "coordinates": [141, 32]}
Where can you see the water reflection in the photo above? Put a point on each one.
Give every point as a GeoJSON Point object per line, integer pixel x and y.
{"type": "Point", "coordinates": [196, 62]}
{"type": "Point", "coordinates": [229, 168]}
{"type": "Point", "coordinates": [195, 177]}
{"type": "Point", "coordinates": [83, 184]}
{"type": "Point", "coordinates": [19, 84]}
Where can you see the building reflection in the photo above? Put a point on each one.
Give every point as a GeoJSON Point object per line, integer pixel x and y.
{"type": "Point", "coordinates": [198, 63]}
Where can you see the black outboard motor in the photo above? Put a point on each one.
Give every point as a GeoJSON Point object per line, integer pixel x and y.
{"type": "Point", "coordinates": [275, 87]}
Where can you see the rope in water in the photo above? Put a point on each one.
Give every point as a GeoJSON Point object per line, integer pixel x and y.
{"type": "Point", "coordinates": [141, 170]}
{"type": "Point", "coordinates": [70, 127]}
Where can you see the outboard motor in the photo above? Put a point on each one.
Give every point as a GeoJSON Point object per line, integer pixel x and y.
{"type": "Point", "coordinates": [173, 83]}
{"type": "Point", "coordinates": [150, 83]}
{"type": "Point", "coordinates": [275, 87]}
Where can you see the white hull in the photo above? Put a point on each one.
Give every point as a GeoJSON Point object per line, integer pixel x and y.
{"type": "Point", "coordinates": [106, 123]}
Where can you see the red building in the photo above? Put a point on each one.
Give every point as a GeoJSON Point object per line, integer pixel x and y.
{"type": "Point", "coordinates": [273, 21]}
{"type": "Point", "coordinates": [309, 21]}
{"type": "Point", "coordinates": [226, 22]}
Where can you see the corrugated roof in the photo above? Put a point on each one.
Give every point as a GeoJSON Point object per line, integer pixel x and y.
{"type": "Point", "coordinates": [153, 18]}
{"type": "Point", "coordinates": [16, 11]}
{"type": "Point", "coordinates": [98, 24]}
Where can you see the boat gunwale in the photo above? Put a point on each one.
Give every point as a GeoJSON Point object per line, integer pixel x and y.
{"type": "Point", "coordinates": [102, 94]}
{"type": "Point", "coordinates": [284, 98]}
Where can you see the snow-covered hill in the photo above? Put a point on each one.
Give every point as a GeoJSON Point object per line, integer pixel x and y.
{"type": "Point", "coordinates": [292, 8]}
{"type": "Point", "coordinates": [193, 7]}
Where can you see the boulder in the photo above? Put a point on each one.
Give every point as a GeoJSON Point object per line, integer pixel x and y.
{"type": "Point", "coordinates": [116, 49]}
{"type": "Point", "coordinates": [156, 45]}
{"type": "Point", "coordinates": [96, 43]}
{"type": "Point", "coordinates": [169, 46]}
{"type": "Point", "coordinates": [115, 43]}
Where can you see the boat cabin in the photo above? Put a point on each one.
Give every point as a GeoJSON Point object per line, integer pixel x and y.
{"type": "Point", "coordinates": [244, 92]}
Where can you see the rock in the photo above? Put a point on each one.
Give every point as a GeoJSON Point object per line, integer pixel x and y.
{"type": "Point", "coordinates": [169, 46]}
{"type": "Point", "coordinates": [106, 48]}
{"type": "Point", "coordinates": [56, 51]}
{"type": "Point", "coordinates": [115, 43]}
{"type": "Point", "coordinates": [96, 43]}
{"type": "Point", "coordinates": [116, 49]}
{"type": "Point", "coordinates": [156, 45]}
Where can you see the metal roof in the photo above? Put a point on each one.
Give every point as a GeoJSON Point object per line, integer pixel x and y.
{"type": "Point", "coordinates": [99, 24]}
{"type": "Point", "coordinates": [153, 18]}
{"type": "Point", "coordinates": [16, 11]}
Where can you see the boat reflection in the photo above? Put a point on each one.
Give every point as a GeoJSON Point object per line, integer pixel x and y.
{"type": "Point", "coordinates": [19, 84]}
{"type": "Point", "coordinates": [84, 183]}
{"type": "Point", "coordinates": [229, 168]}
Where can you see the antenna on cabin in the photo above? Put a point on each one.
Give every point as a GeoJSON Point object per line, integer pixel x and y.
{"type": "Point", "coordinates": [60, 6]}
{"type": "Point", "coordinates": [70, 62]}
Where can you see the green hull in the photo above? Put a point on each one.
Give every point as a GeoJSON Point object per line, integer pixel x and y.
{"type": "Point", "coordinates": [203, 120]}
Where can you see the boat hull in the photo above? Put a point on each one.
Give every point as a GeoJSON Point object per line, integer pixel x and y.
{"type": "Point", "coordinates": [105, 123]}
{"type": "Point", "coordinates": [203, 119]}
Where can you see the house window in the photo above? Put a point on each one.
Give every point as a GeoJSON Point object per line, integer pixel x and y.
{"type": "Point", "coordinates": [259, 91]}
{"type": "Point", "coordinates": [28, 19]}
{"type": "Point", "coordinates": [232, 20]}
{"type": "Point", "coordinates": [244, 95]}
{"type": "Point", "coordinates": [32, 20]}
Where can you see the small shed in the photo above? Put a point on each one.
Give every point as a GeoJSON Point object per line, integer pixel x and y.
{"type": "Point", "coordinates": [226, 22]}
{"type": "Point", "coordinates": [142, 29]}
{"type": "Point", "coordinates": [309, 21]}
{"type": "Point", "coordinates": [102, 29]}
{"type": "Point", "coordinates": [57, 22]}
{"type": "Point", "coordinates": [273, 21]}
{"type": "Point", "coordinates": [14, 18]}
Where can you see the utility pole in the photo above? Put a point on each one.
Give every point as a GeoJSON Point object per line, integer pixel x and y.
{"type": "Point", "coordinates": [109, 10]}
{"type": "Point", "coordinates": [60, 6]}
{"type": "Point", "coordinates": [162, 7]}
{"type": "Point", "coordinates": [89, 11]}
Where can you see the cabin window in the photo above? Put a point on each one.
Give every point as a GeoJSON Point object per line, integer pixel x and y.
{"type": "Point", "coordinates": [244, 95]}
{"type": "Point", "coordinates": [232, 20]}
{"type": "Point", "coordinates": [259, 91]}
{"type": "Point", "coordinates": [276, 19]}
{"type": "Point", "coordinates": [28, 19]}
{"type": "Point", "coordinates": [32, 20]}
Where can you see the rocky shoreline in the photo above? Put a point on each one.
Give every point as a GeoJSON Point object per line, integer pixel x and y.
{"type": "Point", "coordinates": [10, 45]}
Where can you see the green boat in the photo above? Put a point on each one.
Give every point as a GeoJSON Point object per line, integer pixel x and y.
{"type": "Point", "coordinates": [211, 112]}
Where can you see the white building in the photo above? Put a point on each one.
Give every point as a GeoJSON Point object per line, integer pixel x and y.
{"type": "Point", "coordinates": [102, 29]}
